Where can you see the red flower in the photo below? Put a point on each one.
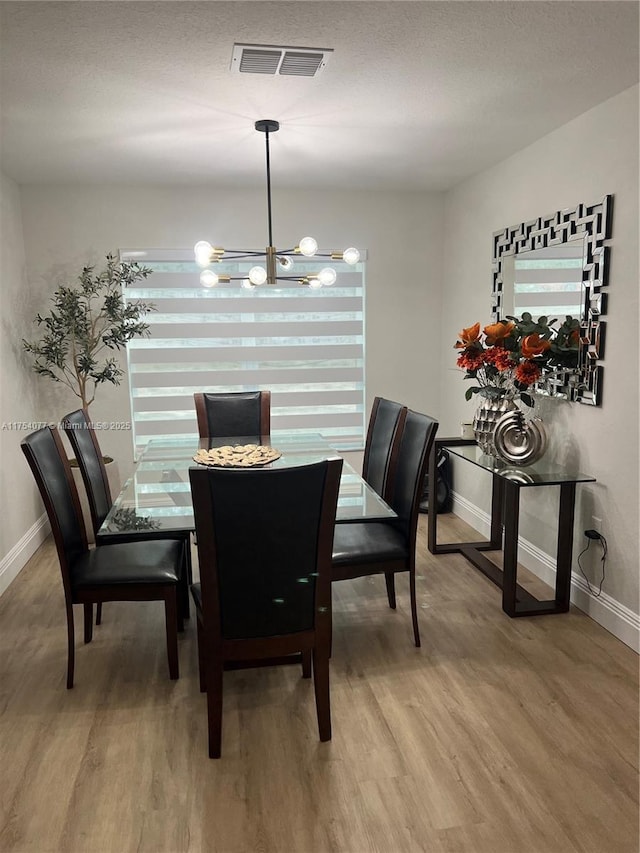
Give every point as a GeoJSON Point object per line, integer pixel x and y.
{"type": "Point", "coordinates": [470, 359]}
{"type": "Point", "coordinates": [527, 373]}
{"type": "Point", "coordinates": [500, 358]}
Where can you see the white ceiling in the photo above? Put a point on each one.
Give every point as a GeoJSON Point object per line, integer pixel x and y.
{"type": "Point", "coordinates": [417, 95]}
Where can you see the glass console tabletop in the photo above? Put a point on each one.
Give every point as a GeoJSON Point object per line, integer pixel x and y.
{"type": "Point", "coordinates": [157, 497]}
{"type": "Point", "coordinates": [542, 473]}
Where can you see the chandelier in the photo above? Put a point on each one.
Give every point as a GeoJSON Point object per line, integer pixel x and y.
{"type": "Point", "coordinates": [276, 263]}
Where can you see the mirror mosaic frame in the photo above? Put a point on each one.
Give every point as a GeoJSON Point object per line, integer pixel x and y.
{"type": "Point", "coordinates": [582, 384]}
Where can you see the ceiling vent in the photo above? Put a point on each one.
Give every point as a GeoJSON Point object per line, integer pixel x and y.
{"type": "Point", "coordinates": [271, 59]}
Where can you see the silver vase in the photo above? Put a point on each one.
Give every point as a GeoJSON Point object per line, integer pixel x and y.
{"type": "Point", "coordinates": [485, 419]}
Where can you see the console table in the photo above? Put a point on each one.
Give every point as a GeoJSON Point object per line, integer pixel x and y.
{"type": "Point", "coordinates": [507, 481]}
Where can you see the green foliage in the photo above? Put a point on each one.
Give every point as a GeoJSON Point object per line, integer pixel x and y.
{"type": "Point", "coordinates": [127, 519]}
{"type": "Point", "coordinates": [526, 325]}
{"type": "Point", "coordinates": [87, 321]}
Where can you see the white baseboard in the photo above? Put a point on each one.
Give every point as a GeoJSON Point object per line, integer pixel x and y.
{"type": "Point", "coordinates": [22, 551]}
{"type": "Point", "coordinates": [622, 622]}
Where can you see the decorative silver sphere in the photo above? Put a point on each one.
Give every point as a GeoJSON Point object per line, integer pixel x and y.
{"type": "Point", "coordinates": [517, 441]}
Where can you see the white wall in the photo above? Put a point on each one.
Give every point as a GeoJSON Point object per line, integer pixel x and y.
{"type": "Point", "coordinates": [593, 155]}
{"type": "Point", "coordinates": [22, 525]}
{"type": "Point", "coordinates": [66, 227]}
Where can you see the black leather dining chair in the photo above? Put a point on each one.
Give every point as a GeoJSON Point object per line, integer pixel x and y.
{"type": "Point", "coordinates": [84, 443]}
{"type": "Point", "coordinates": [132, 571]}
{"type": "Point", "coordinates": [242, 413]}
{"type": "Point", "coordinates": [377, 547]}
{"type": "Point", "coordinates": [264, 548]}
{"type": "Point", "coordinates": [382, 444]}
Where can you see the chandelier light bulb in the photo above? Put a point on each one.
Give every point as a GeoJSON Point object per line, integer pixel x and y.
{"type": "Point", "coordinates": [257, 275]}
{"type": "Point", "coordinates": [247, 285]}
{"type": "Point", "coordinates": [308, 247]}
{"type": "Point", "coordinates": [351, 256]}
{"type": "Point", "coordinates": [202, 250]}
{"type": "Point", "coordinates": [315, 284]}
{"type": "Point", "coordinates": [208, 278]}
{"type": "Point", "coordinates": [327, 276]}
{"type": "Point", "coordinates": [286, 263]}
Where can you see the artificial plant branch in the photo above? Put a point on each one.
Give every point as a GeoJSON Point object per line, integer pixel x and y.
{"type": "Point", "coordinates": [85, 320]}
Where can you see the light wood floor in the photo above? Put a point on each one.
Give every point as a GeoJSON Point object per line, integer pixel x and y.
{"type": "Point", "coordinates": [497, 736]}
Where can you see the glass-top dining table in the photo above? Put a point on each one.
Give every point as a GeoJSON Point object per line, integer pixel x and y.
{"type": "Point", "coordinates": [156, 499]}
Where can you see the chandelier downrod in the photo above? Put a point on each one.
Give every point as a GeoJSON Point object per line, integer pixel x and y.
{"type": "Point", "coordinates": [267, 126]}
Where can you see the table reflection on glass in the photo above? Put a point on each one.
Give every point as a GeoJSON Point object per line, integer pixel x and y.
{"type": "Point", "coordinates": [156, 499]}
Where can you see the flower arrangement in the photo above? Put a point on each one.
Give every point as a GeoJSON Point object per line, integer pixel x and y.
{"type": "Point", "coordinates": [506, 358]}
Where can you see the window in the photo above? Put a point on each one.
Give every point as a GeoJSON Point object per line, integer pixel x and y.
{"type": "Point", "coordinates": [305, 346]}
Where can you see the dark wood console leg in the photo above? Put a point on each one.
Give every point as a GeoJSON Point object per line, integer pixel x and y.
{"type": "Point", "coordinates": [497, 497]}
{"type": "Point", "coordinates": [432, 513]}
{"type": "Point", "coordinates": [510, 559]}
{"type": "Point", "coordinates": [565, 545]}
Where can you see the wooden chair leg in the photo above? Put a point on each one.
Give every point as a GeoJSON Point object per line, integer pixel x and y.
{"type": "Point", "coordinates": [321, 686]}
{"type": "Point", "coordinates": [390, 580]}
{"type": "Point", "coordinates": [88, 622]}
{"type": "Point", "coordinates": [414, 607]}
{"type": "Point", "coordinates": [171, 619]}
{"type": "Point", "coordinates": [306, 664]}
{"type": "Point", "coordinates": [201, 657]}
{"type": "Point", "coordinates": [185, 579]}
{"type": "Point", "coordinates": [214, 672]}
{"type": "Point", "coordinates": [99, 613]}
{"type": "Point", "coordinates": [71, 648]}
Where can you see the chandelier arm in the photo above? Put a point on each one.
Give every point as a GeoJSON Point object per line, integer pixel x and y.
{"type": "Point", "coordinates": [234, 254]}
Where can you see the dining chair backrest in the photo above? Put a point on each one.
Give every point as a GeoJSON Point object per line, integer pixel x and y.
{"type": "Point", "coordinates": [50, 466]}
{"type": "Point", "coordinates": [381, 448]}
{"type": "Point", "coordinates": [413, 456]}
{"type": "Point", "coordinates": [242, 413]}
{"type": "Point", "coordinates": [265, 538]}
{"type": "Point", "coordinates": [82, 438]}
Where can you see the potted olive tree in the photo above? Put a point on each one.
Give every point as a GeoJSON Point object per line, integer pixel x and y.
{"type": "Point", "coordinates": [88, 323]}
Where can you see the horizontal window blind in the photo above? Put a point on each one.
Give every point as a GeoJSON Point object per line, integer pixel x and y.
{"type": "Point", "coordinates": [549, 281]}
{"type": "Point", "coordinates": [305, 346]}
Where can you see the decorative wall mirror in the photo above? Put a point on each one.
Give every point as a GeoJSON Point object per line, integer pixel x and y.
{"type": "Point", "coordinates": [556, 266]}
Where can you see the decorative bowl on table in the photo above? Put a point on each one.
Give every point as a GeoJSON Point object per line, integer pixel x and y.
{"type": "Point", "coordinates": [238, 456]}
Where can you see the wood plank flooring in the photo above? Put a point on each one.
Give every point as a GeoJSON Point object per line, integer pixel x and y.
{"type": "Point", "coordinates": [497, 736]}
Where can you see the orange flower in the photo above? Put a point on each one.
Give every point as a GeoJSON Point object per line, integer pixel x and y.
{"type": "Point", "coordinates": [533, 345]}
{"type": "Point", "coordinates": [468, 336]}
{"type": "Point", "coordinates": [497, 332]}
